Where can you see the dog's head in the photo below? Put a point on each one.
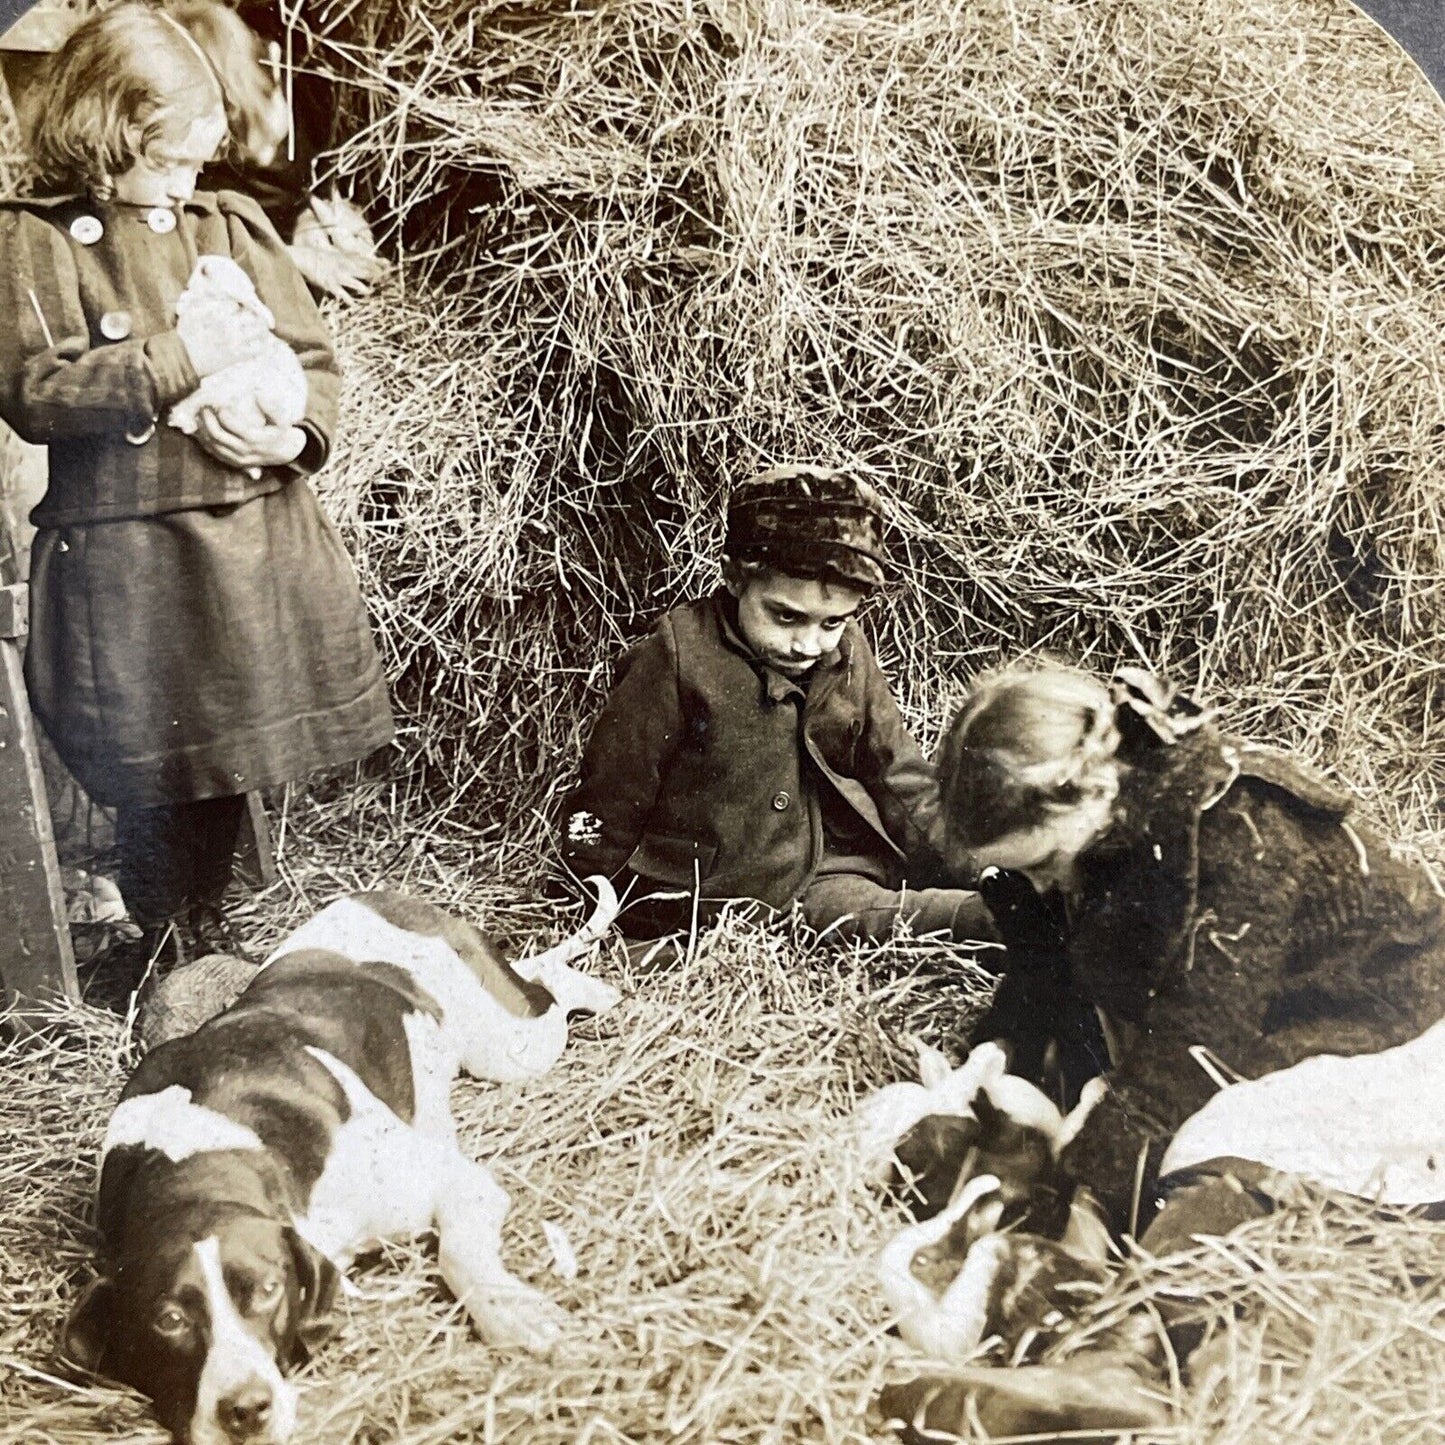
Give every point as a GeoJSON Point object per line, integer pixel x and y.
{"type": "Point", "coordinates": [202, 1317]}
{"type": "Point", "coordinates": [1012, 1132]}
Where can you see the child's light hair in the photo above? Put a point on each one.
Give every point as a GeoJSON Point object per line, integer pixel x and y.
{"type": "Point", "coordinates": [1032, 748]}
{"type": "Point", "coordinates": [249, 75]}
{"type": "Point", "coordinates": [108, 90]}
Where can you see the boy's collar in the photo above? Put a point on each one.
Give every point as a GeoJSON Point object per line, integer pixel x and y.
{"type": "Point", "coordinates": [779, 687]}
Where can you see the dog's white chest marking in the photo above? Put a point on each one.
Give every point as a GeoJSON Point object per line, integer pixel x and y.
{"type": "Point", "coordinates": [239, 1372]}
{"type": "Point", "coordinates": [170, 1122]}
{"type": "Point", "coordinates": [382, 1174]}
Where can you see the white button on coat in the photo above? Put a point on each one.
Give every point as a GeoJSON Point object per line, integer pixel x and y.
{"type": "Point", "coordinates": [87, 229]}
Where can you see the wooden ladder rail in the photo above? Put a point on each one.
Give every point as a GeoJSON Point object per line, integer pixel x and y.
{"type": "Point", "coordinates": [36, 960]}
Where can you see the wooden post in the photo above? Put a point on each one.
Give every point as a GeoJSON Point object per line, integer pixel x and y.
{"type": "Point", "coordinates": [255, 857]}
{"type": "Point", "coordinates": [35, 955]}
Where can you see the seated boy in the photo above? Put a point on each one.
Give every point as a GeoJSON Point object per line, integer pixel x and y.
{"type": "Point", "coordinates": [751, 749]}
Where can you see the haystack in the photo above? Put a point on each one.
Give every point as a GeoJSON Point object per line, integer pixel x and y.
{"type": "Point", "coordinates": [1134, 313]}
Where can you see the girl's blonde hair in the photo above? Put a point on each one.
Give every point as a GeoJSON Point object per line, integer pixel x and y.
{"type": "Point", "coordinates": [1029, 745]}
{"type": "Point", "coordinates": [107, 93]}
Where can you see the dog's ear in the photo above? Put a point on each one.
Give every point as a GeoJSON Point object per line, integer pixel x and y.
{"type": "Point", "coordinates": [85, 1340]}
{"type": "Point", "coordinates": [317, 1281]}
{"type": "Point", "coordinates": [990, 1117]}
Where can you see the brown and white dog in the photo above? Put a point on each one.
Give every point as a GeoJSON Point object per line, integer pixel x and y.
{"type": "Point", "coordinates": [250, 1161]}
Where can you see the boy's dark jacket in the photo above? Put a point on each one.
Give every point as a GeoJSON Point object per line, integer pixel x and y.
{"type": "Point", "coordinates": [698, 769]}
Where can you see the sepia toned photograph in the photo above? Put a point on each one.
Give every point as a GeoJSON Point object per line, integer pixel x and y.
{"type": "Point", "coordinates": [721, 722]}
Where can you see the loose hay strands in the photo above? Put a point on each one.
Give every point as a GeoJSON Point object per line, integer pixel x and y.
{"type": "Point", "coordinates": [1136, 314]}
{"type": "Point", "coordinates": [693, 1148]}
{"type": "Point", "coordinates": [1322, 1323]}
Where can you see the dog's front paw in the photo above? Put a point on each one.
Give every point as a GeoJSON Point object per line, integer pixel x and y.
{"type": "Point", "coordinates": [518, 1318]}
{"type": "Point", "coordinates": [594, 997]}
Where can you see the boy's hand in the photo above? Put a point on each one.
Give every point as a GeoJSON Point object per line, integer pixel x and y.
{"type": "Point", "coordinates": [213, 347]}
{"type": "Point", "coordinates": [247, 451]}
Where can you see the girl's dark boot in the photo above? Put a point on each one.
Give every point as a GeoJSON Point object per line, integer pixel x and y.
{"type": "Point", "coordinates": [211, 932]}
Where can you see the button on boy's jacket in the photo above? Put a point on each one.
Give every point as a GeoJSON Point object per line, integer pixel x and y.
{"type": "Point", "coordinates": [705, 767]}
{"type": "Point", "coordinates": [90, 360]}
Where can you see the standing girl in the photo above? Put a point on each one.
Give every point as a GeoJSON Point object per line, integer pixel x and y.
{"type": "Point", "coordinates": [196, 627]}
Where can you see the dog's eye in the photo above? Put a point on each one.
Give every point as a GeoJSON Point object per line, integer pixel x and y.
{"type": "Point", "coordinates": [171, 1320]}
{"type": "Point", "coordinates": [267, 1292]}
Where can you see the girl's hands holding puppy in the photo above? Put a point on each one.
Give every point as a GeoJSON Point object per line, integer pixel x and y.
{"type": "Point", "coordinates": [248, 449]}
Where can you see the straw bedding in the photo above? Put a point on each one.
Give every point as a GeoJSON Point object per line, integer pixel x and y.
{"type": "Point", "coordinates": [1134, 313]}
{"type": "Point", "coordinates": [692, 1146]}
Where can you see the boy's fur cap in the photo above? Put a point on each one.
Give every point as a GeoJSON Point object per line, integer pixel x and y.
{"type": "Point", "coordinates": [809, 522]}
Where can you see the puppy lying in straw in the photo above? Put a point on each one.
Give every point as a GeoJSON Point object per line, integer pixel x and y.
{"type": "Point", "coordinates": [1017, 1264]}
{"type": "Point", "coordinates": [1010, 1260]}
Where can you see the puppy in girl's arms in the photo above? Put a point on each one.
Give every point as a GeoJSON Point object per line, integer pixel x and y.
{"type": "Point", "coordinates": [269, 388]}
